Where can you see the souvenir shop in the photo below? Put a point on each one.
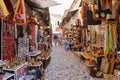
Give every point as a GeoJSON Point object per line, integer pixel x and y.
{"type": "Point", "coordinates": [98, 38]}
{"type": "Point", "coordinates": [25, 40]}
{"type": "Point", "coordinates": [101, 39]}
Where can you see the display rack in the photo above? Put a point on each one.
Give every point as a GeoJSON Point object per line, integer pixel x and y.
{"type": "Point", "coordinates": [34, 54]}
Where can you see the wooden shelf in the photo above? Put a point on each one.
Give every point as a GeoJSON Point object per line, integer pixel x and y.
{"type": "Point", "coordinates": [97, 45]}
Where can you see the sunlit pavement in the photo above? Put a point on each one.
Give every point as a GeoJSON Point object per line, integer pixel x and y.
{"type": "Point", "coordinates": [64, 65]}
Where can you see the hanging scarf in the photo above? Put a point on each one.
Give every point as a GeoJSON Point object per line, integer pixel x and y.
{"type": "Point", "coordinates": [3, 9]}
{"type": "Point", "coordinates": [114, 37]}
{"type": "Point", "coordinates": [107, 51]}
{"type": "Point", "coordinates": [20, 16]}
{"type": "Point", "coordinates": [108, 40]}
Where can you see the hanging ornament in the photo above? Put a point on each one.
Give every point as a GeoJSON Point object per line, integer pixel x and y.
{"type": "Point", "coordinates": [20, 15]}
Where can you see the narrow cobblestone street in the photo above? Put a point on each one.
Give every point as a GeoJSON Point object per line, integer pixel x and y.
{"type": "Point", "coordinates": [64, 65]}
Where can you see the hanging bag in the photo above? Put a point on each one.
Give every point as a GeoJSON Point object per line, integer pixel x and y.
{"type": "Point", "coordinates": [20, 16]}
{"type": "Point", "coordinates": [90, 20]}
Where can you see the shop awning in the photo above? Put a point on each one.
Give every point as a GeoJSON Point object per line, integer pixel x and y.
{"type": "Point", "coordinates": [44, 3]}
{"type": "Point", "coordinates": [68, 17]}
{"type": "Point", "coordinates": [70, 14]}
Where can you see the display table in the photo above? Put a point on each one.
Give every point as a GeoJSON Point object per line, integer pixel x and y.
{"type": "Point", "coordinates": [36, 66]}
{"type": "Point", "coordinates": [7, 76]}
{"type": "Point", "coordinates": [18, 71]}
{"type": "Point", "coordinates": [35, 53]}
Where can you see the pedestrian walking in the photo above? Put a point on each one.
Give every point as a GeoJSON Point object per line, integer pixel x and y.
{"type": "Point", "coordinates": [55, 39]}
{"type": "Point", "coordinates": [66, 44]}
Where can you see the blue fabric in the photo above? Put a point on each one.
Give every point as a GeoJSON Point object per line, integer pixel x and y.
{"type": "Point", "coordinates": [39, 74]}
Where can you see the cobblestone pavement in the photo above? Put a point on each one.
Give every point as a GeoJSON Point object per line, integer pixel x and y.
{"type": "Point", "coordinates": [64, 65]}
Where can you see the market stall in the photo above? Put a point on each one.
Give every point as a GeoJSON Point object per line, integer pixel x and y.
{"type": "Point", "coordinates": [20, 39]}
{"type": "Point", "coordinates": [101, 49]}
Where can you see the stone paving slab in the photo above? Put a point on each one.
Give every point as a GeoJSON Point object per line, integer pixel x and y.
{"type": "Point", "coordinates": [64, 65]}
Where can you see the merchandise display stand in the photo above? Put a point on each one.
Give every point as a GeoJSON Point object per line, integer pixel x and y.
{"type": "Point", "coordinates": [19, 71]}
{"type": "Point", "coordinates": [34, 54]}
{"type": "Point", "coordinates": [7, 76]}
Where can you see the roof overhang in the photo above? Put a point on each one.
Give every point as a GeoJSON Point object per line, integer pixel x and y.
{"type": "Point", "coordinates": [68, 17]}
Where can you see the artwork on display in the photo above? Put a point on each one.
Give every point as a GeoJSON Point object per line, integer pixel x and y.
{"type": "Point", "coordinates": [8, 49]}
{"type": "Point", "coordinates": [32, 39]}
